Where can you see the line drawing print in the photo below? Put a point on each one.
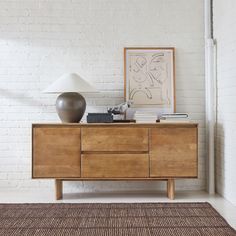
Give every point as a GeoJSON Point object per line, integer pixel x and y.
{"type": "Point", "coordinates": [150, 77]}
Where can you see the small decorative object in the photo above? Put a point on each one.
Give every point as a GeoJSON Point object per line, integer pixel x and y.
{"type": "Point", "coordinates": [175, 118]}
{"type": "Point", "coordinates": [70, 105]}
{"type": "Point", "coordinates": [150, 79]}
{"type": "Point", "coordinates": [99, 118]}
{"type": "Point", "coordinates": [119, 110]}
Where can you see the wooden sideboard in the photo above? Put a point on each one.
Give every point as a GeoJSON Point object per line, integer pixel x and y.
{"type": "Point", "coordinates": [125, 151]}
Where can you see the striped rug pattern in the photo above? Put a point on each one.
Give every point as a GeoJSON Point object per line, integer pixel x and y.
{"type": "Point", "coordinates": [112, 219]}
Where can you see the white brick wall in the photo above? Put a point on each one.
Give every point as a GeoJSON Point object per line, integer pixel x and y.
{"type": "Point", "coordinates": [40, 40]}
{"type": "Point", "coordinates": [225, 34]}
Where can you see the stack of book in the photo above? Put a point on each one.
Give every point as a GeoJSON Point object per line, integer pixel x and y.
{"type": "Point", "coordinates": [145, 117]}
{"type": "Point", "coordinates": [174, 118]}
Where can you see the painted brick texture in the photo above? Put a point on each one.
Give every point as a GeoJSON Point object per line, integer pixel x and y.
{"type": "Point", "coordinates": [225, 34]}
{"type": "Point", "coordinates": [42, 39]}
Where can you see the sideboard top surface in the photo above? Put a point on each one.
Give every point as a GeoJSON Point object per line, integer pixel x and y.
{"type": "Point", "coordinates": [187, 124]}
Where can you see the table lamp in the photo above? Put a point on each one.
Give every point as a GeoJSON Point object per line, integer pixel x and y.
{"type": "Point", "coordinates": [70, 104]}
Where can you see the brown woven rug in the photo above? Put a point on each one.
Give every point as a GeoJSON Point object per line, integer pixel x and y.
{"type": "Point", "coordinates": [136, 219]}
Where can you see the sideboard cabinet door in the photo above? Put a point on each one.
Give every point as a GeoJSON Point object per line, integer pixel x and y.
{"type": "Point", "coordinates": [173, 152]}
{"type": "Point", "coordinates": [56, 152]}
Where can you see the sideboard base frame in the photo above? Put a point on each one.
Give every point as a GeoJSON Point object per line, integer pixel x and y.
{"type": "Point", "coordinates": [59, 187]}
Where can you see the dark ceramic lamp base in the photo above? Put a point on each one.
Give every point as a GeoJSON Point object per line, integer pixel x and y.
{"type": "Point", "coordinates": [70, 107]}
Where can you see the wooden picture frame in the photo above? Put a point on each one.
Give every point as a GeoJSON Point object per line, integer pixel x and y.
{"type": "Point", "coordinates": [149, 78]}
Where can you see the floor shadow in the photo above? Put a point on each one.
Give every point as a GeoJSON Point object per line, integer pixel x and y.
{"type": "Point", "coordinates": [114, 195]}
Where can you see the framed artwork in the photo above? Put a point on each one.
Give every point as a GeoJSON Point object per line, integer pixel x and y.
{"type": "Point", "coordinates": [150, 78]}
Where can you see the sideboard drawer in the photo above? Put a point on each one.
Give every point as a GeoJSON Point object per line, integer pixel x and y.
{"type": "Point", "coordinates": [114, 139]}
{"type": "Point", "coordinates": [173, 152]}
{"type": "Point", "coordinates": [56, 152]}
{"type": "Point", "coordinates": [115, 165]}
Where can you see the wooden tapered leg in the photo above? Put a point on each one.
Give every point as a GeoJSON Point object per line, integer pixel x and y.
{"type": "Point", "coordinates": [58, 189]}
{"type": "Point", "coordinates": [171, 188]}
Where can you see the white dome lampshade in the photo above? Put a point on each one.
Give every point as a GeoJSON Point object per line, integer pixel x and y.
{"type": "Point", "coordinates": [70, 104]}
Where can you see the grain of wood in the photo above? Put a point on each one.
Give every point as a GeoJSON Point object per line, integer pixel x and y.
{"type": "Point", "coordinates": [173, 152]}
{"type": "Point", "coordinates": [114, 139]}
{"type": "Point", "coordinates": [56, 152]}
{"type": "Point", "coordinates": [115, 165]}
